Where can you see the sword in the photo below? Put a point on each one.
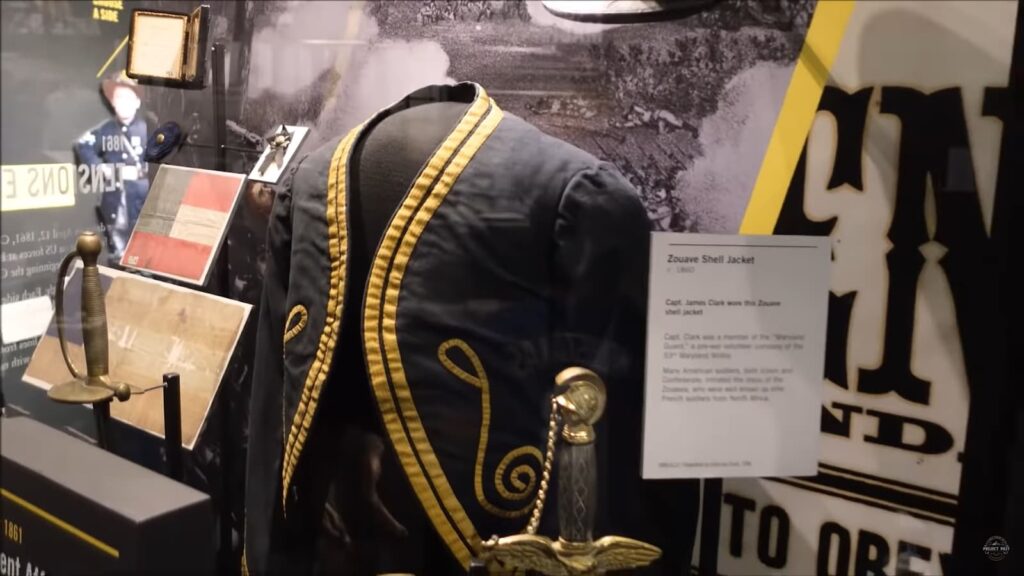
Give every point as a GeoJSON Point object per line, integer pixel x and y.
{"type": "Point", "coordinates": [578, 406]}
{"type": "Point", "coordinates": [94, 386]}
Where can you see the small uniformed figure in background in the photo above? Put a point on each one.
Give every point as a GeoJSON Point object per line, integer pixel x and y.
{"type": "Point", "coordinates": [113, 152]}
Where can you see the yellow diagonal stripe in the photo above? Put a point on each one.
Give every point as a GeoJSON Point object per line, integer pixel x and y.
{"type": "Point", "coordinates": [112, 56]}
{"type": "Point", "coordinates": [824, 36]}
{"type": "Point", "coordinates": [73, 530]}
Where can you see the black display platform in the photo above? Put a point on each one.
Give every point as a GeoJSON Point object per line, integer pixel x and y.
{"type": "Point", "coordinates": [68, 507]}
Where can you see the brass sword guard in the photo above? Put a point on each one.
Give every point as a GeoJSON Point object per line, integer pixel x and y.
{"type": "Point", "coordinates": [95, 385]}
{"type": "Point", "coordinates": [580, 400]}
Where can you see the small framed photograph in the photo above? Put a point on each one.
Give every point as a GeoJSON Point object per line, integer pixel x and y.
{"type": "Point", "coordinates": [168, 48]}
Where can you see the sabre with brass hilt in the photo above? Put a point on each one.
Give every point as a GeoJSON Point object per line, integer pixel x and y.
{"type": "Point", "coordinates": [577, 406]}
{"type": "Point", "coordinates": [94, 386]}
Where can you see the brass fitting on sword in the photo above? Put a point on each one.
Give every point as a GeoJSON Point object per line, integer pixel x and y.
{"type": "Point", "coordinates": [581, 402]}
{"type": "Point", "coordinates": [578, 404]}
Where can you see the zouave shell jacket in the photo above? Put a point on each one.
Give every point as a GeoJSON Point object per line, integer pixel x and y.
{"type": "Point", "coordinates": [512, 256]}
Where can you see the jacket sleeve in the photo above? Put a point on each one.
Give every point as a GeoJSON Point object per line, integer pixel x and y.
{"type": "Point", "coordinates": [87, 147]}
{"type": "Point", "coordinates": [600, 272]}
{"type": "Point", "coordinates": [262, 498]}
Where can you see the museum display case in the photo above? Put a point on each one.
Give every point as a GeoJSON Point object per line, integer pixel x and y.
{"type": "Point", "coordinates": [716, 287]}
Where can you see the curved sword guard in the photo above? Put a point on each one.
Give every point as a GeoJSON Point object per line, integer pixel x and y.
{"type": "Point", "coordinates": [561, 558]}
{"type": "Point", "coordinates": [581, 401]}
{"type": "Point", "coordinates": [95, 385]}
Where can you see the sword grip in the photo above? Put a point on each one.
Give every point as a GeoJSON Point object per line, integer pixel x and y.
{"type": "Point", "coordinates": [582, 403]}
{"type": "Point", "coordinates": [94, 314]}
{"type": "Point", "coordinates": [577, 492]}
{"type": "Point", "coordinates": [94, 310]}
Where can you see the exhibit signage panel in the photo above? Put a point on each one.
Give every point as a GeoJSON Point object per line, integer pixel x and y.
{"type": "Point", "coordinates": [67, 507]}
{"type": "Point", "coordinates": [735, 355]}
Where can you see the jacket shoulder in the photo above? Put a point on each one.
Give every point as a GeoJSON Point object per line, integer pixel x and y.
{"type": "Point", "coordinates": [311, 170]}
{"type": "Point", "coordinates": [526, 154]}
{"type": "Point", "coordinates": [540, 147]}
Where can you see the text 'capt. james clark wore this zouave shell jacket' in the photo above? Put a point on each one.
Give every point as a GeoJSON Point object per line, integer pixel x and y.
{"type": "Point", "coordinates": [512, 256]}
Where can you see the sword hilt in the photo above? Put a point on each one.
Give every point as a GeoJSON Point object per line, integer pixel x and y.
{"type": "Point", "coordinates": [582, 405]}
{"type": "Point", "coordinates": [94, 309]}
{"type": "Point", "coordinates": [95, 384]}
{"type": "Point", "coordinates": [579, 403]}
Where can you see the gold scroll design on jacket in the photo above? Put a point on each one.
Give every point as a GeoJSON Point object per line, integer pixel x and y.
{"type": "Point", "coordinates": [508, 476]}
{"type": "Point", "coordinates": [298, 311]}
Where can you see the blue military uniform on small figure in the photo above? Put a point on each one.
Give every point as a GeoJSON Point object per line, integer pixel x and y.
{"type": "Point", "coordinates": [116, 148]}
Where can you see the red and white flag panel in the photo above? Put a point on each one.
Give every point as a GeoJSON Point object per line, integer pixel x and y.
{"type": "Point", "coordinates": [183, 222]}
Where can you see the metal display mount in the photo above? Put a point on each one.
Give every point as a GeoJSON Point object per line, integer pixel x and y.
{"type": "Point", "coordinates": [225, 556]}
{"type": "Point", "coordinates": [220, 121]}
{"type": "Point", "coordinates": [710, 520]}
{"type": "Point", "coordinates": [221, 286]}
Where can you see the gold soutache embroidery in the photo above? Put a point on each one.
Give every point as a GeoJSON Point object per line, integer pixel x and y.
{"type": "Point", "coordinates": [519, 489]}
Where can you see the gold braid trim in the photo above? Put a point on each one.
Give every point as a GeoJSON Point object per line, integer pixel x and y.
{"type": "Point", "coordinates": [337, 244]}
{"type": "Point", "coordinates": [384, 362]}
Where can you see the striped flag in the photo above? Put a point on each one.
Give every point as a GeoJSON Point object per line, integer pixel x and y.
{"type": "Point", "coordinates": [183, 222]}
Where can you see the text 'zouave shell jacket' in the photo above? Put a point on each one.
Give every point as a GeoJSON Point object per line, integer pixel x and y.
{"type": "Point", "coordinates": [512, 256]}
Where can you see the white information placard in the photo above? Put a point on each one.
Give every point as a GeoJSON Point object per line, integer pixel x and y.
{"type": "Point", "coordinates": [25, 319]}
{"type": "Point", "coordinates": [735, 355]}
